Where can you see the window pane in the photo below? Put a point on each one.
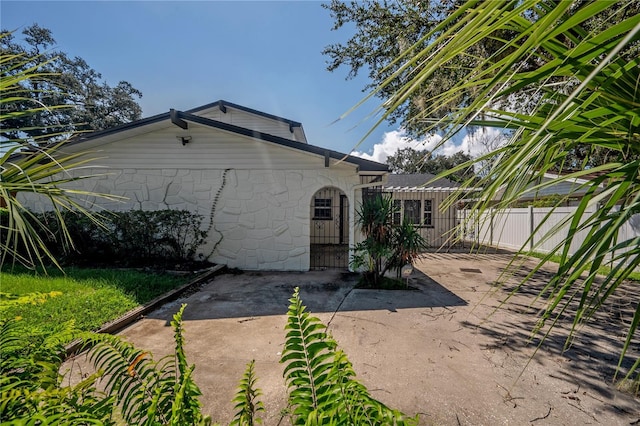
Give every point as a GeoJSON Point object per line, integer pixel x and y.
{"type": "Point", "coordinates": [428, 213]}
{"type": "Point", "coordinates": [322, 208]}
{"type": "Point", "coordinates": [412, 211]}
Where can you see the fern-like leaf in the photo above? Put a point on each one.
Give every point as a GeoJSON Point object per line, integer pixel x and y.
{"type": "Point", "coordinates": [246, 399]}
{"type": "Point", "coordinates": [31, 390]}
{"type": "Point", "coordinates": [307, 356]}
{"type": "Point", "coordinates": [322, 383]}
{"type": "Point", "coordinates": [186, 407]}
{"type": "Point", "coordinates": [149, 392]}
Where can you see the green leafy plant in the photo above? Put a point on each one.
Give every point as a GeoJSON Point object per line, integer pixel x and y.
{"type": "Point", "coordinates": [161, 234]}
{"type": "Point", "coordinates": [374, 219]}
{"type": "Point", "coordinates": [247, 404]}
{"type": "Point", "coordinates": [323, 388]}
{"type": "Point", "coordinates": [149, 392]}
{"type": "Point", "coordinates": [386, 246]}
{"type": "Point", "coordinates": [128, 386]}
{"type": "Point", "coordinates": [135, 388]}
{"type": "Point", "coordinates": [31, 387]}
{"type": "Point", "coordinates": [408, 245]}
{"type": "Point", "coordinates": [128, 238]}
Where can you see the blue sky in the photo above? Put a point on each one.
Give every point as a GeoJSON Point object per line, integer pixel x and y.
{"type": "Point", "coordinates": [264, 55]}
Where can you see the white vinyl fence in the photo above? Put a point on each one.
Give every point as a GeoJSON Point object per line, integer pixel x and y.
{"type": "Point", "coordinates": [526, 228]}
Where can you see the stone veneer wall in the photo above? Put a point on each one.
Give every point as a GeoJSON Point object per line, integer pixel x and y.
{"type": "Point", "coordinates": [262, 217]}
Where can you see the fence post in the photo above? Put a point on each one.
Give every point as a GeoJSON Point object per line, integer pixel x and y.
{"type": "Point", "coordinates": [531, 227]}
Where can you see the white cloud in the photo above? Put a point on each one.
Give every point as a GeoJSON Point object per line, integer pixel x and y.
{"type": "Point", "coordinates": [479, 142]}
{"type": "Point", "coordinates": [393, 141]}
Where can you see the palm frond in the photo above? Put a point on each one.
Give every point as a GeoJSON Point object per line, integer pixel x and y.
{"type": "Point", "coordinates": [556, 86]}
{"type": "Point", "coordinates": [27, 168]}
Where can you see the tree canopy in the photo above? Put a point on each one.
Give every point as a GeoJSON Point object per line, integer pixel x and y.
{"type": "Point", "coordinates": [409, 160]}
{"type": "Point", "coordinates": [66, 95]}
{"type": "Point", "coordinates": [387, 30]}
{"type": "Point", "coordinates": [384, 30]}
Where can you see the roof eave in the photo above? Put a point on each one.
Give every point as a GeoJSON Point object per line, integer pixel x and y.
{"type": "Point", "coordinates": [362, 164]}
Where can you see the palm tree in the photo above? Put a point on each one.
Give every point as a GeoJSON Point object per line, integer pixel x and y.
{"type": "Point", "coordinates": [575, 70]}
{"type": "Point", "coordinates": [26, 167]}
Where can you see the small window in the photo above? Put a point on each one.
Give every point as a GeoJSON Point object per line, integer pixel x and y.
{"type": "Point", "coordinates": [412, 211]}
{"type": "Point", "coordinates": [322, 209]}
{"type": "Point", "coordinates": [428, 213]}
{"type": "Point", "coordinates": [396, 212]}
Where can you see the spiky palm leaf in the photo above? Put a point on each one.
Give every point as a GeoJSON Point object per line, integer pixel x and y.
{"type": "Point", "coordinates": [28, 168]}
{"type": "Point", "coordinates": [582, 92]}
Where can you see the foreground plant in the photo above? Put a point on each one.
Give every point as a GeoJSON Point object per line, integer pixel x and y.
{"type": "Point", "coordinates": [147, 391]}
{"type": "Point", "coordinates": [565, 81]}
{"type": "Point", "coordinates": [32, 390]}
{"type": "Point", "coordinates": [129, 386]}
{"type": "Point", "coordinates": [28, 168]}
{"type": "Point", "coordinates": [247, 403]}
{"type": "Point", "coordinates": [322, 383]}
{"type": "Point", "coordinates": [135, 388]}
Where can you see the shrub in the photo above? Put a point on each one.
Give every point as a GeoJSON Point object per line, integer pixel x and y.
{"type": "Point", "coordinates": [130, 238]}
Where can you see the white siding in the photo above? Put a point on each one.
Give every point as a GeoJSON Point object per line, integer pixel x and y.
{"type": "Point", "coordinates": [251, 121]}
{"type": "Point", "coordinates": [208, 148]}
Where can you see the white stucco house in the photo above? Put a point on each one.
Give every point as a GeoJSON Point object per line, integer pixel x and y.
{"type": "Point", "coordinates": [271, 200]}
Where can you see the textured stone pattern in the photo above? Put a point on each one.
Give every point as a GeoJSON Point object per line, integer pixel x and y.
{"type": "Point", "coordinates": [262, 217]}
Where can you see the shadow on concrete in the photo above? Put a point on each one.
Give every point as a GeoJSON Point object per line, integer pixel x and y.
{"type": "Point", "coordinates": [254, 294]}
{"type": "Point", "coordinates": [592, 353]}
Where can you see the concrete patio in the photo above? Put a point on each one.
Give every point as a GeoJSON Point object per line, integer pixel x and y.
{"type": "Point", "coordinates": [433, 351]}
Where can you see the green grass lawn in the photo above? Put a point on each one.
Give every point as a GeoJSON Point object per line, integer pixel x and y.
{"type": "Point", "coordinates": [91, 297]}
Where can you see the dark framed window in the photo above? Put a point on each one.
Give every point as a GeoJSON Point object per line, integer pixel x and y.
{"type": "Point", "coordinates": [412, 211]}
{"type": "Point", "coordinates": [427, 218]}
{"type": "Point", "coordinates": [322, 209]}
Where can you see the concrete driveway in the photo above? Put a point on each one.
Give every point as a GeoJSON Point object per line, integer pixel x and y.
{"type": "Point", "coordinates": [433, 351]}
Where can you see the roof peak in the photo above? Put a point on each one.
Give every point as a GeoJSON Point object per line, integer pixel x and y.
{"type": "Point", "coordinates": [222, 104]}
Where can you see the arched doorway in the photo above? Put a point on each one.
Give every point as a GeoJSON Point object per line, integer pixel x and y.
{"type": "Point", "coordinates": [329, 229]}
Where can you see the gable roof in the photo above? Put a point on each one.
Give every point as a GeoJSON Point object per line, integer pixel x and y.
{"type": "Point", "coordinates": [418, 181]}
{"type": "Point", "coordinates": [222, 104]}
{"type": "Point", "coordinates": [189, 116]}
